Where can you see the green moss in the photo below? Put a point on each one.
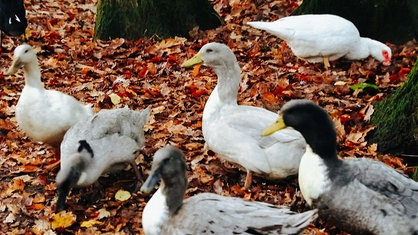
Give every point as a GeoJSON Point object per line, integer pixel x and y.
{"type": "Point", "coordinates": [396, 118]}
{"type": "Point", "coordinates": [133, 19]}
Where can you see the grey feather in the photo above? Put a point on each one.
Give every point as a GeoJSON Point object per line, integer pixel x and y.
{"type": "Point", "coordinates": [209, 213]}
{"type": "Point", "coordinates": [374, 198]}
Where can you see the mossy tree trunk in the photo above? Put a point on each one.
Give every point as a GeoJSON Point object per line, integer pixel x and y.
{"type": "Point", "coordinates": [383, 20]}
{"type": "Point", "coordinates": [133, 19]}
{"type": "Point", "coordinates": [396, 118]}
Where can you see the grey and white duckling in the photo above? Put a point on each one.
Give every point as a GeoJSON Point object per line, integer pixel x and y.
{"type": "Point", "coordinates": [44, 115]}
{"type": "Point", "coordinates": [361, 195]}
{"type": "Point", "coordinates": [233, 131]}
{"type": "Point", "coordinates": [208, 213]}
{"type": "Point", "coordinates": [99, 145]}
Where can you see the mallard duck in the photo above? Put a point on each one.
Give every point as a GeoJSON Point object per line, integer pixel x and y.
{"type": "Point", "coordinates": [233, 131]}
{"type": "Point", "coordinates": [324, 38]}
{"type": "Point", "coordinates": [101, 144]}
{"type": "Point", "coordinates": [44, 115]}
{"type": "Point", "coordinates": [359, 195]}
{"type": "Point", "coordinates": [207, 213]}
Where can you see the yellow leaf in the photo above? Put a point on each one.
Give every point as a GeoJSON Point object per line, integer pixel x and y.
{"type": "Point", "coordinates": [114, 98]}
{"type": "Point", "coordinates": [63, 220]}
{"type": "Point", "coordinates": [122, 195]}
{"type": "Point", "coordinates": [90, 223]}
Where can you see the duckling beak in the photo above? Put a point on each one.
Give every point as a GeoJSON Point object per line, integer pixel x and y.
{"type": "Point", "coordinates": [16, 65]}
{"type": "Point", "coordinates": [276, 126]}
{"type": "Point", "coordinates": [65, 187]}
{"type": "Point", "coordinates": [197, 59]}
{"type": "Point", "coordinates": [151, 181]}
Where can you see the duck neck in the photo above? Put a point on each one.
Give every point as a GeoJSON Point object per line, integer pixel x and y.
{"type": "Point", "coordinates": [323, 143]}
{"type": "Point", "coordinates": [228, 83]}
{"type": "Point", "coordinates": [174, 193]}
{"type": "Point", "coordinates": [32, 74]}
{"type": "Point", "coordinates": [361, 50]}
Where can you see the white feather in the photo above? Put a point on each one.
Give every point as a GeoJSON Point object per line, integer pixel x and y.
{"type": "Point", "coordinates": [313, 176]}
{"type": "Point", "coordinates": [155, 214]}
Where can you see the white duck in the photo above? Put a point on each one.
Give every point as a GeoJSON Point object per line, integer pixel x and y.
{"type": "Point", "coordinates": [233, 131]}
{"type": "Point", "coordinates": [208, 213]}
{"type": "Point", "coordinates": [359, 195]}
{"type": "Point", "coordinates": [324, 38]}
{"type": "Point", "coordinates": [44, 115]}
{"type": "Point", "coordinates": [102, 143]}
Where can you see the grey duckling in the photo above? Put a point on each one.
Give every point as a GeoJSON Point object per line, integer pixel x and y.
{"type": "Point", "coordinates": [208, 213]}
{"type": "Point", "coordinates": [99, 145]}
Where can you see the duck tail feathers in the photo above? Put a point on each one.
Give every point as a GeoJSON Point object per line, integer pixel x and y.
{"type": "Point", "coordinates": [298, 222]}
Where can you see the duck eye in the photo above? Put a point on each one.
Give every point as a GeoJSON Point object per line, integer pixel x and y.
{"type": "Point", "coordinates": [27, 50]}
{"type": "Point", "coordinates": [209, 50]}
{"type": "Point", "coordinates": [385, 53]}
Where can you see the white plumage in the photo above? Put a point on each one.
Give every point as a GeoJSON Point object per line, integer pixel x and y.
{"type": "Point", "coordinates": [208, 213]}
{"type": "Point", "coordinates": [324, 37]}
{"type": "Point", "coordinates": [44, 115]}
{"type": "Point", "coordinates": [98, 145]}
{"type": "Point", "coordinates": [233, 131]}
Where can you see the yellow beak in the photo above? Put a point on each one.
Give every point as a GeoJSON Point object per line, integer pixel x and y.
{"type": "Point", "coordinates": [14, 67]}
{"type": "Point", "coordinates": [276, 126]}
{"type": "Point", "coordinates": [197, 59]}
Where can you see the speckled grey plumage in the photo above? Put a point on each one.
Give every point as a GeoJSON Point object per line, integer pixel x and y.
{"type": "Point", "coordinates": [208, 213]}
{"type": "Point", "coordinates": [368, 196]}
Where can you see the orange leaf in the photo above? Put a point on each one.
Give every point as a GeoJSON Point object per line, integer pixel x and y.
{"type": "Point", "coordinates": [29, 168]}
{"type": "Point", "coordinates": [85, 70]}
{"type": "Point", "coordinates": [199, 92]}
{"type": "Point", "coordinates": [269, 97]}
{"type": "Point", "coordinates": [196, 70]}
{"type": "Point", "coordinates": [37, 206]}
{"type": "Point", "coordinates": [18, 184]}
{"type": "Point", "coordinates": [237, 189]}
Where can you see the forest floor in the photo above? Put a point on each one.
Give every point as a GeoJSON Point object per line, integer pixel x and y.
{"type": "Point", "coordinates": [147, 72]}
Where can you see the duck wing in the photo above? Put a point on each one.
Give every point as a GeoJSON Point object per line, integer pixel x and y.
{"type": "Point", "coordinates": [209, 213]}
{"type": "Point", "coordinates": [386, 181]}
{"type": "Point", "coordinates": [235, 135]}
{"type": "Point", "coordinates": [367, 196]}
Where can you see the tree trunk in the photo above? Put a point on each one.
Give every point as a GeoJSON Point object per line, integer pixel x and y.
{"type": "Point", "coordinates": [133, 19]}
{"type": "Point", "coordinates": [383, 20]}
{"type": "Point", "coordinates": [396, 118]}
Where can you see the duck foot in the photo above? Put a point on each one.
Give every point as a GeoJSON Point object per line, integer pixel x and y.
{"type": "Point", "coordinates": [248, 180]}
{"type": "Point", "coordinates": [326, 63]}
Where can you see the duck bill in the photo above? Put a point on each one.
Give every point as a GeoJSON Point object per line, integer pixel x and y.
{"type": "Point", "coordinates": [14, 67]}
{"type": "Point", "coordinates": [276, 126]}
{"type": "Point", "coordinates": [386, 62]}
{"type": "Point", "coordinates": [151, 181]}
{"type": "Point", "coordinates": [197, 59]}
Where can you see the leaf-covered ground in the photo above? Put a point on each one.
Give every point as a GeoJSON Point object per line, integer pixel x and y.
{"type": "Point", "coordinates": [116, 73]}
